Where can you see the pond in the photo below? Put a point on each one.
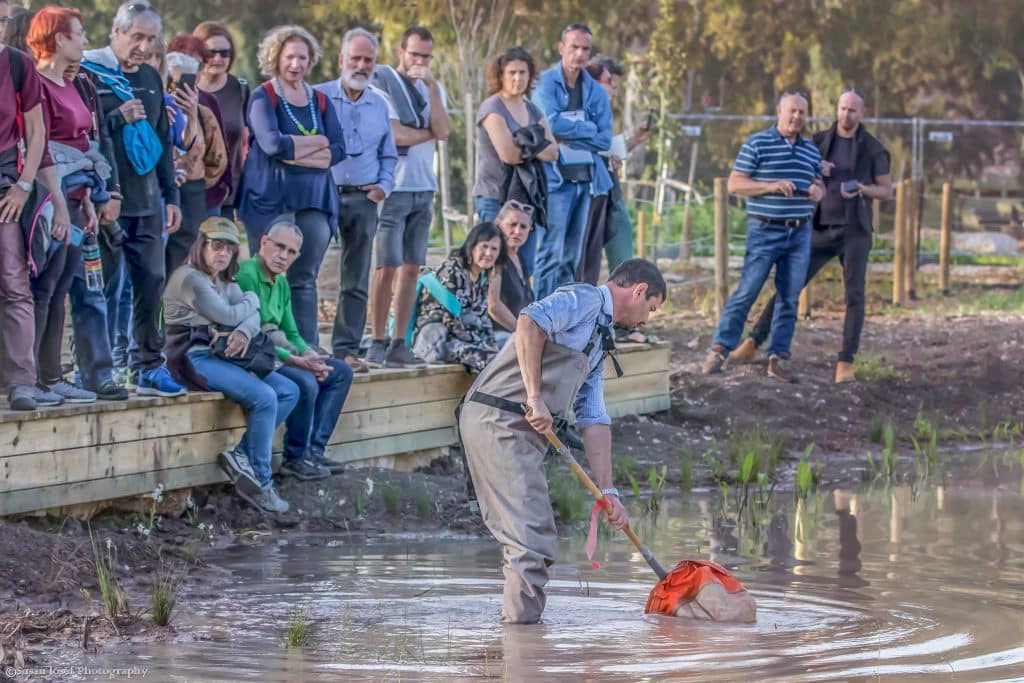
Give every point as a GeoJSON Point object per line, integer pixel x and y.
{"type": "Point", "coordinates": [919, 581]}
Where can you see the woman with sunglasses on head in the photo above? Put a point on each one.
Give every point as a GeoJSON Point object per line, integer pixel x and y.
{"type": "Point", "coordinates": [513, 141]}
{"type": "Point", "coordinates": [232, 96]}
{"type": "Point", "coordinates": [509, 289]}
{"type": "Point", "coordinates": [295, 138]}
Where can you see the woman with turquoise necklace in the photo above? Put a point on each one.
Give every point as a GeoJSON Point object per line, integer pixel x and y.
{"type": "Point", "coordinates": [294, 139]}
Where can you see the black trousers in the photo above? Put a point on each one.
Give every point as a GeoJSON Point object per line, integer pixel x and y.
{"type": "Point", "coordinates": [589, 268]}
{"type": "Point", "coordinates": [193, 212]}
{"type": "Point", "coordinates": [851, 244]}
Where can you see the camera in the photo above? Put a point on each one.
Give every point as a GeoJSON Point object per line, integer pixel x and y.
{"type": "Point", "coordinates": [114, 234]}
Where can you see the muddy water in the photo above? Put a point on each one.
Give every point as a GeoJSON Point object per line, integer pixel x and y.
{"type": "Point", "coordinates": [910, 583]}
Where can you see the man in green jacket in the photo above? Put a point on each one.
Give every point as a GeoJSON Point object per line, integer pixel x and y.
{"type": "Point", "coordinates": [323, 381]}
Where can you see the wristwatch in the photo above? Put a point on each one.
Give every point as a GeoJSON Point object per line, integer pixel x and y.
{"type": "Point", "coordinates": [24, 185]}
{"type": "Point", "coordinates": [612, 491]}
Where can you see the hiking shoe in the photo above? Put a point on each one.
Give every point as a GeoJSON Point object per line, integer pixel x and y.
{"type": "Point", "coordinates": [844, 372]}
{"type": "Point", "coordinates": [109, 390]}
{"type": "Point", "coordinates": [714, 361]}
{"type": "Point", "coordinates": [70, 393]}
{"type": "Point", "coordinates": [775, 370]}
{"type": "Point", "coordinates": [375, 353]}
{"type": "Point", "coordinates": [119, 375]}
{"type": "Point", "coordinates": [235, 464]}
{"type": "Point", "coordinates": [45, 398]}
{"type": "Point", "coordinates": [266, 499]}
{"type": "Point", "coordinates": [22, 397]}
{"type": "Point", "coordinates": [744, 353]}
{"type": "Point", "coordinates": [401, 356]}
{"type": "Point", "coordinates": [158, 382]}
{"type": "Point", "coordinates": [332, 466]}
{"type": "Point", "coordinates": [303, 469]}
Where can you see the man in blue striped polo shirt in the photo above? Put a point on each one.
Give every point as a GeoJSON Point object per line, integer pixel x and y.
{"type": "Point", "coordinates": [779, 172]}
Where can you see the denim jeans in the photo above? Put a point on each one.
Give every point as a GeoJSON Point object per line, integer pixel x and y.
{"type": "Point", "coordinates": [487, 210]}
{"type": "Point", "coordinates": [309, 427]}
{"type": "Point", "coordinates": [266, 402]}
{"type": "Point", "coordinates": [620, 247]}
{"type": "Point", "coordinates": [561, 241]}
{"type": "Point", "coordinates": [789, 250]}
{"type": "Point", "coordinates": [89, 323]}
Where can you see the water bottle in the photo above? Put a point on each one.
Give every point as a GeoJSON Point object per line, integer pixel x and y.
{"type": "Point", "coordinates": [93, 264]}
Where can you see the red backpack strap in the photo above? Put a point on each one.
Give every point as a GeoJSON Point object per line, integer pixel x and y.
{"type": "Point", "coordinates": [268, 88]}
{"type": "Point", "coordinates": [321, 101]}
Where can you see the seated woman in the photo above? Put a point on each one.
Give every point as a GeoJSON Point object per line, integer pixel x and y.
{"type": "Point", "coordinates": [200, 295]}
{"type": "Point", "coordinates": [452, 325]}
{"type": "Point", "coordinates": [510, 288]}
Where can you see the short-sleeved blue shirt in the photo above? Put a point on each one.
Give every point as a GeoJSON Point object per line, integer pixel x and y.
{"type": "Point", "coordinates": [767, 156]}
{"type": "Point", "coordinates": [570, 317]}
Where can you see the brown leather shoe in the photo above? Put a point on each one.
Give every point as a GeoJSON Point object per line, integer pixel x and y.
{"type": "Point", "coordinates": [744, 353]}
{"type": "Point", "coordinates": [714, 361]}
{"type": "Point", "coordinates": [775, 370]}
{"type": "Point", "coordinates": [844, 373]}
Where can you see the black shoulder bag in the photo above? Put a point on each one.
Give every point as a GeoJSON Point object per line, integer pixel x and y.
{"type": "Point", "coordinates": [259, 357]}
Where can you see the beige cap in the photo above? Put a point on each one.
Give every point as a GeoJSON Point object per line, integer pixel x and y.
{"type": "Point", "coordinates": [220, 228]}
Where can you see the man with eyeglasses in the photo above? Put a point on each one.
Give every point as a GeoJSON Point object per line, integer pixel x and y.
{"type": "Point", "coordinates": [779, 172]}
{"type": "Point", "coordinates": [131, 94]}
{"type": "Point", "coordinates": [323, 382]}
{"type": "Point", "coordinates": [364, 178]}
{"type": "Point", "coordinates": [419, 118]}
{"type": "Point", "coordinates": [580, 117]}
{"type": "Point", "coordinates": [856, 170]}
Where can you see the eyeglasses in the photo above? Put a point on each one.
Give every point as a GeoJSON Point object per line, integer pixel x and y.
{"type": "Point", "coordinates": [218, 246]}
{"type": "Point", "coordinates": [284, 247]}
{"type": "Point", "coordinates": [220, 52]}
{"type": "Point", "coordinates": [519, 206]}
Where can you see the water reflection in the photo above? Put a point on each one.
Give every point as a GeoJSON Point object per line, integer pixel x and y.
{"type": "Point", "coordinates": [882, 581]}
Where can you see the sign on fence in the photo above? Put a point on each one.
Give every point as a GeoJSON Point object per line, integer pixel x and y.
{"type": "Point", "coordinates": [691, 131]}
{"type": "Point", "coordinates": [940, 136]}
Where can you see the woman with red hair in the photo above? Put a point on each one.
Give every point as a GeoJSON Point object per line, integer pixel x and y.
{"type": "Point", "coordinates": [83, 157]}
{"type": "Point", "coordinates": [233, 96]}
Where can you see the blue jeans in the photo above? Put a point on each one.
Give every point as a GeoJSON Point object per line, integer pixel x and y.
{"type": "Point", "coordinates": [620, 247]}
{"type": "Point", "coordinates": [561, 242]}
{"type": "Point", "coordinates": [310, 425]}
{"type": "Point", "coordinates": [789, 250]}
{"type": "Point", "coordinates": [89, 323]}
{"type": "Point", "coordinates": [266, 402]}
{"type": "Point", "coordinates": [487, 210]}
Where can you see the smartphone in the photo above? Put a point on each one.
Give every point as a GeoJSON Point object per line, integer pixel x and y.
{"type": "Point", "coordinates": [848, 186]}
{"type": "Point", "coordinates": [649, 121]}
{"type": "Point", "coordinates": [187, 79]}
{"type": "Point", "coordinates": [76, 235]}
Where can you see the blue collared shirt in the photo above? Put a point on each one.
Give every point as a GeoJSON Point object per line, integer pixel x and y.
{"type": "Point", "coordinates": [569, 317]}
{"type": "Point", "coordinates": [369, 145]}
{"type": "Point", "coordinates": [594, 133]}
{"type": "Point", "coordinates": [767, 156]}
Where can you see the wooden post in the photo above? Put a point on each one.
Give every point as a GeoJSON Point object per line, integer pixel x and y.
{"type": "Point", "coordinates": [444, 182]}
{"type": "Point", "coordinates": [804, 306]}
{"type": "Point", "coordinates": [876, 215]}
{"type": "Point", "coordinates": [641, 233]}
{"type": "Point", "coordinates": [899, 259]}
{"type": "Point", "coordinates": [470, 114]}
{"type": "Point", "coordinates": [913, 227]}
{"type": "Point", "coordinates": [721, 244]}
{"type": "Point", "coordinates": [946, 228]}
{"type": "Point", "coordinates": [686, 232]}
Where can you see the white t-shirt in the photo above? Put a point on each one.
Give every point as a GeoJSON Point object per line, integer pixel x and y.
{"type": "Point", "coordinates": [415, 170]}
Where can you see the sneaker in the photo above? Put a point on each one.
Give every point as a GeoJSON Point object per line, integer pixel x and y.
{"type": "Point", "coordinates": [70, 393]}
{"type": "Point", "coordinates": [714, 361]}
{"type": "Point", "coordinates": [332, 466]}
{"type": "Point", "coordinates": [22, 397]}
{"type": "Point", "coordinates": [375, 354]}
{"type": "Point", "coordinates": [401, 356]}
{"type": "Point", "coordinates": [110, 391]}
{"type": "Point", "coordinates": [158, 382]}
{"type": "Point", "coordinates": [266, 499]}
{"type": "Point", "coordinates": [119, 375]}
{"type": "Point", "coordinates": [303, 469]}
{"type": "Point", "coordinates": [46, 399]}
{"type": "Point", "coordinates": [746, 352]}
{"type": "Point", "coordinates": [775, 370]}
{"type": "Point", "coordinates": [235, 464]}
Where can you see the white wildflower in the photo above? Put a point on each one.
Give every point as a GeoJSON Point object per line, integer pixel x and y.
{"type": "Point", "coordinates": [142, 529]}
{"type": "Point", "coordinates": [321, 493]}
{"type": "Point", "coordinates": [190, 501]}
{"type": "Point", "coordinates": [369, 486]}
{"type": "Point", "coordinates": [158, 493]}
{"type": "Point", "coordinates": [110, 544]}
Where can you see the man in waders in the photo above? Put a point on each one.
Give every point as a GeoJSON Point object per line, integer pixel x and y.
{"type": "Point", "coordinates": [554, 361]}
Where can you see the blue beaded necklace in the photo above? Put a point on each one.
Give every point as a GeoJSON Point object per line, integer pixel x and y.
{"type": "Point", "coordinates": [291, 115]}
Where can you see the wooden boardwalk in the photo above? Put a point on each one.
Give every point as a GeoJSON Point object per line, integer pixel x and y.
{"type": "Point", "coordinates": [393, 418]}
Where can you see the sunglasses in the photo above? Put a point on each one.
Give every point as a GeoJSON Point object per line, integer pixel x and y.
{"type": "Point", "coordinates": [139, 7]}
{"type": "Point", "coordinates": [519, 206]}
{"type": "Point", "coordinates": [220, 52]}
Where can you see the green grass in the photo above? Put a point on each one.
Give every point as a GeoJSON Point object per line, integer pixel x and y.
{"type": "Point", "coordinates": [421, 499]}
{"type": "Point", "coordinates": [568, 497]}
{"type": "Point", "coordinates": [115, 600]}
{"type": "Point", "coordinates": [166, 586]}
{"type": "Point", "coordinates": [686, 470]}
{"type": "Point", "coordinates": [623, 467]}
{"type": "Point", "coordinates": [389, 496]}
{"type": "Point", "coordinates": [297, 634]}
{"type": "Point", "coordinates": [873, 367]}
{"type": "Point", "coordinates": [762, 447]}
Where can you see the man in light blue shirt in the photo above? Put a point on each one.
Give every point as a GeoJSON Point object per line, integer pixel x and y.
{"type": "Point", "coordinates": [555, 361]}
{"type": "Point", "coordinates": [364, 179]}
{"type": "Point", "coordinates": [580, 117]}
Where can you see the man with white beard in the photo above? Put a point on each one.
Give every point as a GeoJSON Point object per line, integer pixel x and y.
{"type": "Point", "coordinates": [364, 178]}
